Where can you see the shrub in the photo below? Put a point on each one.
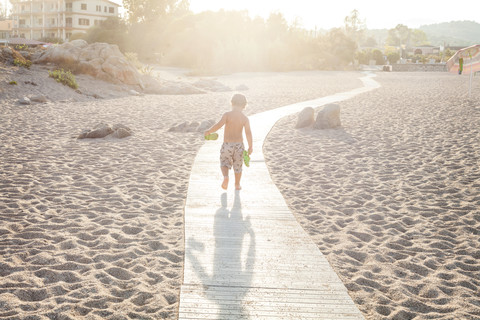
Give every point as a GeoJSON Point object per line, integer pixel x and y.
{"type": "Point", "coordinates": [13, 82]}
{"type": "Point", "coordinates": [22, 63]}
{"type": "Point", "coordinates": [64, 77]}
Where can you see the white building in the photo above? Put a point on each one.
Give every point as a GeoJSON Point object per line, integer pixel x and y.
{"type": "Point", "coordinates": [36, 19]}
{"type": "Point", "coordinates": [5, 30]}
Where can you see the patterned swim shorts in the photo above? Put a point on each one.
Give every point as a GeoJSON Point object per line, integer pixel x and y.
{"type": "Point", "coordinates": [231, 154]}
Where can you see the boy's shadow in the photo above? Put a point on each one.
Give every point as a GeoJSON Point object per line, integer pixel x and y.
{"type": "Point", "coordinates": [231, 275]}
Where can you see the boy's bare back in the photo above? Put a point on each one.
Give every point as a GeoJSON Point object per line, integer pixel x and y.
{"type": "Point", "coordinates": [235, 121]}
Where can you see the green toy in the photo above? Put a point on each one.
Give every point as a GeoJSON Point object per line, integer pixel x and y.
{"type": "Point", "coordinates": [212, 136]}
{"type": "Point", "coordinates": [246, 158]}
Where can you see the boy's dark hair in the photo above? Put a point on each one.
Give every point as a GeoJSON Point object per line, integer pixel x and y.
{"type": "Point", "coordinates": [239, 100]}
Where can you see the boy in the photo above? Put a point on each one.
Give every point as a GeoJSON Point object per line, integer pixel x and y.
{"type": "Point", "coordinates": [231, 153]}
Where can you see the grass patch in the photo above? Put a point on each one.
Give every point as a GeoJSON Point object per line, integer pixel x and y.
{"type": "Point", "coordinates": [64, 77]}
{"type": "Point", "coordinates": [13, 83]}
{"type": "Point", "coordinates": [22, 63]}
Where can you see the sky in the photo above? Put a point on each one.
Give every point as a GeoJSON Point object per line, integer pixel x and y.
{"type": "Point", "coordinates": [378, 14]}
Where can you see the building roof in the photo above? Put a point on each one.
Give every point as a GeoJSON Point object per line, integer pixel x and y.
{"type": "Point", "coordinates": [6, 25]}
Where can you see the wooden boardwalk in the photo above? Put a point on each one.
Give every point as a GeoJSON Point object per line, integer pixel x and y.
{"type": "Point", "coordinates": [246, 257]}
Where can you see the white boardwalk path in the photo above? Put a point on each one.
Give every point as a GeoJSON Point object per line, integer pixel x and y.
{"type": "Point", "coordinates": [246, 257]}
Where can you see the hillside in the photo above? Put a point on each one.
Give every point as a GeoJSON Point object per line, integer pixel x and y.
{"type": "Point", "coordinates": [455, 33]}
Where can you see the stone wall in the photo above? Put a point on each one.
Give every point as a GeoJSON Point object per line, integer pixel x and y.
{"type": "Point", "coordinates": [418, 67]}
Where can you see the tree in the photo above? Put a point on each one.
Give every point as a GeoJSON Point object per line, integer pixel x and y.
{"type": "Point", "coordinates": [340, 47]}
{"type": "Point", "coordinates": [3, 12]}
{"type": "Point", "coordinates": [393, 57]}
{"type": "Point", "coordinates": [418, 37]}
{"type": "Point", "coordinates": [355, 27]}
{"type": "Point", "coordinates": [399, 36]}
{"type": "Point", "coordinates": [140, 11]}
{"type": "Point", "coordinates": [402, 36]}
{"type": "Point", "coordinates": [112, 30]}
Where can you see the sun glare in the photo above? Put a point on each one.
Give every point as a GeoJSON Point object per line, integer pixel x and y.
{"type": "Point", "coordinates": [377, 13]}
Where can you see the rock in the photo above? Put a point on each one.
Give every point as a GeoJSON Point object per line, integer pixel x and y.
{"type": "Point", "coordinates": [328, 118]}
{"type": "Point", "coordinates": [103, 130]}
{"type": "Point", "coordinates": [305, 118]}
{"type": "Point", "coordinates": [39, 98]}
{"type": "Point", "coordinates": [211, 85]}
{"type": "Point", "coordinates": [241, 87]}
{"type": "Point", "coordinates": [24, 101]}
{"type": "Point", "coordinates": [192, 126]}
{"type": "Point", "coordinates": [120, 133]}
{"type": "Point", "coordinates": [204, 125]}
{"type": "Point", "coordinates": [101, 60]}
{"type": "Point", "coordinates": [134, 92]}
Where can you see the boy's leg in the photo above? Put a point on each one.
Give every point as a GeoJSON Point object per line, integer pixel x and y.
{"type": "Point", "coordinates": [225, 177]}
{"type": "Point", "coordinates": [238, 176]}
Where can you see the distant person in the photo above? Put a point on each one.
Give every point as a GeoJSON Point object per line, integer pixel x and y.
{"type": "Point", "coordinates": [231, 153]}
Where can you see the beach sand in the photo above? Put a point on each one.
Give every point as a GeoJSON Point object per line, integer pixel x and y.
{"type": "Point", "coordinates": [93, 229]}
{"type": "Point", "coordinates": [393, 197]}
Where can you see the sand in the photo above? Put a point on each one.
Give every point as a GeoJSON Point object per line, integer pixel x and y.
{"type": "Point", "coordinates": [93, 229]}
{"type": "Point", "coordinates": [393, 197]}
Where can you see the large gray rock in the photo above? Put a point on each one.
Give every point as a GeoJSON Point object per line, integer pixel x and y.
{"type": "Point", "coordinates": [103, 130]}
{"type": "Point", "coordinates": [305, 118]}
{"type": "Point", "coordinates": [101, 60]}
{"type": "Point", "coordinates": [328, 118]}
{"type": "Point", "coordinates": [39, 98]}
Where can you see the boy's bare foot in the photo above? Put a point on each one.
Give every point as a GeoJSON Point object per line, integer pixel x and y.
{"type": "Point", "coordinates": [225, 183]}
{"type": "Point", "coordinates": [238, 187]}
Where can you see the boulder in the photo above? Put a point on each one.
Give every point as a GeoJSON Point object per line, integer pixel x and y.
{"type": "Point", "coordinates": [204, 125]}
{"type": "Point", "coordinates": [305, 118]}
{"type": "Point", "coordinates": [101, 60]}
{"type": "Point", "coordinates": [39, 98]}
{"type": "Point", "coordinates": [24, 101]}
{"type": "Point", "coordinates": [103, 130]}
{"type": "Point", "coordinates": [328, 118]}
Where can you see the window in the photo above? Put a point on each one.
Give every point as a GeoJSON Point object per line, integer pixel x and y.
{"type": "Point", "coordinates": [99, 8]}
{"type": "Point", "coordinates": [105, 9]}
{"type": "Point", "coordinates": [40, 21]}
{"type": "Point", "coordinates": [68, 35]}
{"type": "Point", "coordinates": [68, 22]}
{"type": "Point", "coordinates": [21, 22]}
{"type": "Point", "coordinates": [68, 6]}
{"type": "Point", "coordinates": [111, 10]}
{"type": "Point", "coordinates": [52, 22]}
{"type": "Point", "coordinates": [84, 22]}
{"type": "Point", "coordinates": [84, 6]}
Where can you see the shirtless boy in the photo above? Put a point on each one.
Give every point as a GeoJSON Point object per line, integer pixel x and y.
{"type": "Point", "coordinates": [231, 153]}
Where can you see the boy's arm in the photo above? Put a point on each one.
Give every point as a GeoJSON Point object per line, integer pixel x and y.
{"type": "Point", "coordinates": [217, 125]}
{"type": "Point", "coordinates": [248, 134]}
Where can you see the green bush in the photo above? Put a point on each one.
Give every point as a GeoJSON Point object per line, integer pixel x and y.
{"type": "Point", "coordinates": [13, 82]}
{"type": "Point", "coordinates": [22, 63]}
{"type": "Point", "coordinates": [64, 77]}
